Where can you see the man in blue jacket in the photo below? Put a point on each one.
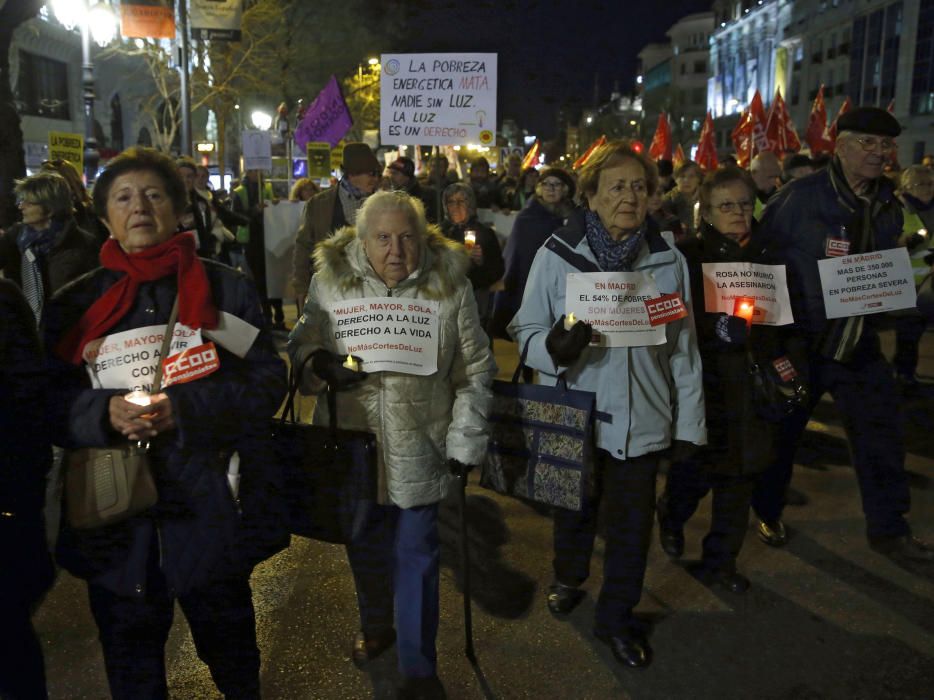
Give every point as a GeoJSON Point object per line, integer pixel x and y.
{"type": "Point", "coordinates": [847, 208]}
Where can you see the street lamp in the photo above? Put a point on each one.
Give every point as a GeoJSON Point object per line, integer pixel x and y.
{"type": "Point", "coordinates": [100, 22]}
{"type": "Point", "coordinates": [261, 120]}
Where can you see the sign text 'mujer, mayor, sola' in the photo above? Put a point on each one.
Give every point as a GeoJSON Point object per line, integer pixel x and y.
{"type": "Point", "coordinates": [438, 99]}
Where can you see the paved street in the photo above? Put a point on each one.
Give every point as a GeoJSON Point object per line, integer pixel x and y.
{"type": "Point", "coordinates": [826, 617]}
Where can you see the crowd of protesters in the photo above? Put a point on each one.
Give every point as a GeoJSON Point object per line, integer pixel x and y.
{"type": "Point", "coordinates": [83, 268]}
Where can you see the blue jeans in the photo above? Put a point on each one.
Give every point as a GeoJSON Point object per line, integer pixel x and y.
{"type": "Point", "coordinates": [396, 565]}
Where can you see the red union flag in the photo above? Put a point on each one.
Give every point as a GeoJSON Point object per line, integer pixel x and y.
{"type": "Point", "coordinates": [706, 155]}
{"type": "Point", "coordinates": [147, 19]}
{"type": "Point", "coordinates": [661, 142]}
{"type": "Point", "coordinates": [780, 130]}
{"type": "Point", "coordinates": [579, 163]}
{"type": "Point", "coordinates": [749, 136]}
{"type": "Point", "coordinates": [678, 158]}
{"type": "Point", "coordinates": [531, 158]}
{"type": "Point", "coordinates": [738, 136]}
{"type": "Point", "coordinates": [816, 135]}
{"type": "Point", "coordinates": [844, 108]}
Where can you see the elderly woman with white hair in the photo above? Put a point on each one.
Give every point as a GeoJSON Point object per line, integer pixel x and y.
{"type": "Point", "coordinates": [426, 426]}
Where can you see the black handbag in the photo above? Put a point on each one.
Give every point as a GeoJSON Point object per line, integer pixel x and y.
{"type": "Point", "coordinates": [541, 442]}
{"type": "Point", "coordinates": [775, 397]}
{"type": "Point", "coordinates": [331, 477]}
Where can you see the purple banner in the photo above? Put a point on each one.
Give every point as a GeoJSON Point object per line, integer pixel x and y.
{"type": "Point", "coordinates": [327, 118]}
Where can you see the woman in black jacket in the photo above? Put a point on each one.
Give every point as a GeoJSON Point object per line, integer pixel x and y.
{"type": "Point", "coordinates": [486, 257]}
{"type": "Point", "coordinates": [25, 459]}
{"type": "Point", "coordinates": [48, 249]}
{"type": "Point", "coordinates": [199, 542]}
{"type": "Point", "coordinates": [740, 441]}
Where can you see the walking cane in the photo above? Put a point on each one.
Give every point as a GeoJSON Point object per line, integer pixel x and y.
{"type": "Point", "coordinates": [465, 565]}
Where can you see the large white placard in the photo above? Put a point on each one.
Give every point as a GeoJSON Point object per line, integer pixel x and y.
{"type": "Point", "coordinates": [766, 284]}
{"type": "Point", "coordinates": [389, 334]}
{"type": "Point", "coordinates": [280, 224]}
{"type": "Point", "coordinates": [128, 360]}
{"type": "Point", "coordinates": [438, 99]}
{"type": "Point", "coordinates": [614, 304]}
{"type": "Point", "coordinates": [867, 283]}
{"type": "Point", "coordinates": [257, 150]}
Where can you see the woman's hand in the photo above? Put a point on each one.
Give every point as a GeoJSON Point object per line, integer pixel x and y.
{"type": "Point", "coordinates": [476, 255]}
{"type": "Point", "coordinates": [137, 422]}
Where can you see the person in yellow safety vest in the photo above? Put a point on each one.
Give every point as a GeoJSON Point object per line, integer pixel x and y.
{"type": "Point", "coordinates": [249, 200]}
{"type": "Point", "coordinates": [916, 193]}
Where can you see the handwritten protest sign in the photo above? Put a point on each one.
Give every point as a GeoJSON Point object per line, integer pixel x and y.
{"type": "Point", "coordinates": [68, 147]}
{"type": "Point", "coordinates": [128, 360]}
{"type": "Point", "coordinates": [867, 283]}
{"type": "Point", "coordinates": [765, 284]}
{"type": "Point", "coordinates": [257, 150]}
{"type": "Point", "coordinates": [614, 304]}
{"type": "Point", "coordinates": [438, 99]}
{"type": "Point", "coordinates": [388, 334]}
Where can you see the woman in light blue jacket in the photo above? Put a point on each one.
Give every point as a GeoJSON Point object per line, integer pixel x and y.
{"type": "Point", "coordinates": [653, 394]}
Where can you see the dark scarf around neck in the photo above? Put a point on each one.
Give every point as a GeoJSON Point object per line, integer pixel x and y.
{"type": "Point", "coordinates": [612, 255]}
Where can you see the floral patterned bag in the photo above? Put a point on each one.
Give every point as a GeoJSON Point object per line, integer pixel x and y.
{"type": "Point", "coordinates": [541, 446]}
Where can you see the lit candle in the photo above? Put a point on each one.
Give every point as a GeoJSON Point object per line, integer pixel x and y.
{"type": "Point", "coordinates": [352, 364]}
{"type": "Point", "coordinates": [139, 397]}
{"type": "Point", "coordinates": [745, 308]}
{"type": "Point", "coordinates": [923, 232]}
{"type": "Point", "coordinates": [569, 321]}
{"type": "Point", "coordinates": [470, 239]}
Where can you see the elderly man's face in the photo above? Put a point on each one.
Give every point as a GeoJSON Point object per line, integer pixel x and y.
{"type": "Point", "coordinates": [862, 155]}
{"type": "Point", "coordinates": [392, 247]}
{"type": "Point", "coordinates": [766, 172]}
{"type": "Point", "coordinates": [399, 180]}
{"type": "Point", "coordinates": [921, 186]}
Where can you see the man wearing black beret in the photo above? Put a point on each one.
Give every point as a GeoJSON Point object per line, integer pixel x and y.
{"type": "Point", "coordinates": [844, 209]}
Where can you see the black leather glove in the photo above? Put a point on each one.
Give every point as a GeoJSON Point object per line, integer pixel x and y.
{"type": "Point", "coordinates": [682, 451]}
{"type": "Point", "coordinates": [457, 468]}
{"type": "Point", "coordinates": [732, 329]}
{"type": "Point", "coordinates": [915, 240]}
{"type": "Point", "coordinates": [330, 368]}
{"type": "Point", "coordinates": [565, 346]}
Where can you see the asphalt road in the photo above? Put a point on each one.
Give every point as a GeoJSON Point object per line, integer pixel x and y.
{"type": "Point", "coordinates": [825, 617]}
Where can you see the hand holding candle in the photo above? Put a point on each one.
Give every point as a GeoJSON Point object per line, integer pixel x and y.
{"type": "Point", "coordinates": [351, 364]}
{"type": "Point", "coordinates": [470, 239]}
{"type": "Point", "coordinates": [745, 308]}
{"type": "Point", "coordinates": [569, 321]}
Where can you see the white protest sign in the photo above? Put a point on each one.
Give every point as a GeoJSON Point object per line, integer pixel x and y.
{"type": "Point", "coordinates": [280, 224]}
{"type": "Point", "coordinates": [614, 304]}
{"type": "Point", "coordinates": [128, 360]}
{"type": "Point", "coordinates": [765, 284]}
{"type": "Point", "coordinates": [389, 334]}
{"type": "Point", "coordinates": [438, 99]}
{"type": "Point", "coordinates": [257, 150]}
{"type": "Point", "coordinates": [867, 283]}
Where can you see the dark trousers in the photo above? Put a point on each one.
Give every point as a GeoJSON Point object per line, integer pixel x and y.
{"type": "Point", "coordinates": [22, 673]}
{"type": "Point", "coordinates": [396, 569]}
{"type": "Point", "coordinates": [629, 489]}
{"type": "Point", "coordinates": [908, 333]}
{"type": "Point", "coordinates": [865, 397]}
{"type": "Point", "coordinates": [133, 632]}
{"type": "Point", "coordinates": [688, 482]}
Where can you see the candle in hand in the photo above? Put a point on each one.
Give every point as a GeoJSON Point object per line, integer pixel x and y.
{"type": "Point", "coordinates": [569, 321]}
{"type": "Point", "coordinates": [470, 239]}
{"type": "Point", "coordinates": [923, 232]}
{"type": "Point", "coordinates": [745, 308]}
{"type": "Point", "coordinates": [351, 364]}
{"type": "Point", "coordinates": [139, 397]}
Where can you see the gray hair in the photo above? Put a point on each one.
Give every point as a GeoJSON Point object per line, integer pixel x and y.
{"type": "Point", "coordinates": [380, 203]}
{"type": "Point", "coordinates": [467, 191]}
{"type": "Point", "coordinates": [49, 190]}
{"type": "Point", "coordinates": [912, 173]}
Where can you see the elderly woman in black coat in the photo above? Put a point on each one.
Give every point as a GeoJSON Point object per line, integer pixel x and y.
{"type": "Point", "coordinates": [24, 462]}
{"type": "Point", "coordinates": [47, 250]}
{"type": "Point", "coordinates": [197, 545]}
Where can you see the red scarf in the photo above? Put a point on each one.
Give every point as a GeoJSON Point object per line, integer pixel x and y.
{"type": "Point", "coordinates": [195, 306]}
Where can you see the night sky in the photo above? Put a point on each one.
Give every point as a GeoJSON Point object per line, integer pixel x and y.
{"type": "Point", "coordinates": [549, 52]}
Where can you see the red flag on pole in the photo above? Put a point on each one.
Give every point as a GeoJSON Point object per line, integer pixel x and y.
{"type": "Point", "coordinates": [579, 163]}
{"type": "Point", "coordinates": [844, 108]}
{"type": "Point", "coordinates": [816, 135]}
{"type": "Point", "coordinates": [531, 158]}
{"type": "Point", "coordinates": [678, 158]}
{"type": "Point", "coordinates": [706, 156]}
{"type": "Point", "coordinates": [749, 136]}
{"type": "Point", "coordinates": [780, 130]}
{"type": "Point", "coordinates": [738, 135]}
{"type": "Point", "coordinates": [661, 142]}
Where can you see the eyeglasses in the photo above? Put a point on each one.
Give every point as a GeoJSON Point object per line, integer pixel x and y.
{"type": "Point", "coordinates": [552, 185]}
{"type": "Point", "coordinates": [731, 207]}
{"type": "Point", "coordinates": [869, 143]}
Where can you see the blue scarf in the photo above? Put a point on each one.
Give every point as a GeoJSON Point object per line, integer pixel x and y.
{"type": "Point", "coordinates": [612, 255]}
{"type": "Point", "coordinates": [40, 241]}
{"type": "Point", "coordinates": [34, 246]}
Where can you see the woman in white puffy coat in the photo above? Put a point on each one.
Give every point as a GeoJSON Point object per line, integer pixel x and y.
{"type": "Point", "coordinates": [426, 426]}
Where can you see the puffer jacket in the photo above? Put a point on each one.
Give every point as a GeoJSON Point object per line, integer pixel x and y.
{"type": "Point", "coordinates": [654, 394]}
{"type": "Point", "coordinates": [196, 528]}
{"type": "Point", "coordinates": [419, 421]}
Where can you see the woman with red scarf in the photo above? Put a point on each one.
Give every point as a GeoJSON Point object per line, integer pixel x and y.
{"type": "Point", "coordinates": [198, 544]}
